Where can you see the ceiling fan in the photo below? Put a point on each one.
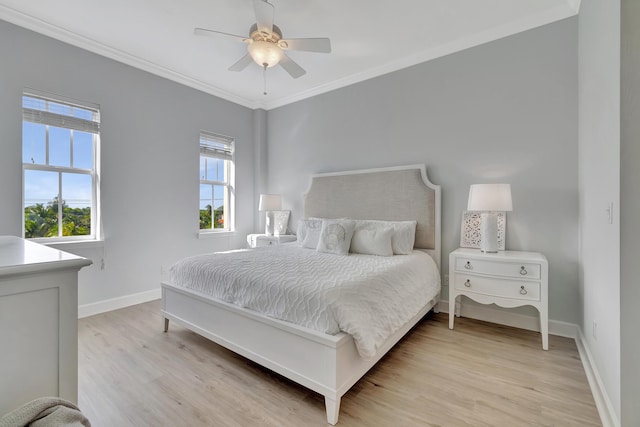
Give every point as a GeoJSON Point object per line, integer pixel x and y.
{"type": "Point", "coordinates": [265, 43]}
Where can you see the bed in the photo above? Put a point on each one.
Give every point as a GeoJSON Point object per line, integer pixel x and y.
{"type": "Point", "coordinates": [326, 363]}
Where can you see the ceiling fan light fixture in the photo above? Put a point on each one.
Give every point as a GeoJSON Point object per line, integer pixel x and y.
{"type": "Point", "coordinates": [264, 52]}
{"type": "Point", "coordinates": [266, 46]}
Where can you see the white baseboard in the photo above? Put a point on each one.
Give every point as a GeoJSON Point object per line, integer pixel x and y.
{"type": "Point", "coordinates": [87, 310]}
{"type": "Point", "coordinates": [491, 314]}
{"type": "Point", "coordinates": [603, 403]}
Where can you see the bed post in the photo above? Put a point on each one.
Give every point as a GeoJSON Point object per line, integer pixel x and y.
{"type": "Point", "coordinates": [333, 409]}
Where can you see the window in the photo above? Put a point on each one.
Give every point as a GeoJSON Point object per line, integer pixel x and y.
{"type": "Point", "coordinates": [216, 182]}
{"type": "Point", "coordinates": [59, 168]}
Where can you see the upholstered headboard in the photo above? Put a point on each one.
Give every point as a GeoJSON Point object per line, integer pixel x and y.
{"type": "Point", "coordinates": [391, 194]}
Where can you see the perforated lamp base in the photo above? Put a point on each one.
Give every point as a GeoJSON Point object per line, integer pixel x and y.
{"type": "Point", "coordinates": [268, 229]}
{"type": "Point", "coordinates": [489, 232]}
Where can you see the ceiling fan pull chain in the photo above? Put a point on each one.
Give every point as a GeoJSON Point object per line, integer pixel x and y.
{"type": "Point", "coordinates": [264, 77]}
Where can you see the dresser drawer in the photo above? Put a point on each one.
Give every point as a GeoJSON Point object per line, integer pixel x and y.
{"type": "Point", "coordinates": [506, 269]}
{"type": "Point", "coordinates": [505, 288]}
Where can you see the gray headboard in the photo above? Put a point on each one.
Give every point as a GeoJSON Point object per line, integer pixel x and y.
{"type": "Point", "coordinates": [391, 194]}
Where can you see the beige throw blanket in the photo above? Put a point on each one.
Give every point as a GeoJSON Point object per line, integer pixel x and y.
{"type": "Point", "coordinates": [46, 412]}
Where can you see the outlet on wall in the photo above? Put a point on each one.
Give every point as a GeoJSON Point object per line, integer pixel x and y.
{"type": "Point", "coordinates": [445, 280]}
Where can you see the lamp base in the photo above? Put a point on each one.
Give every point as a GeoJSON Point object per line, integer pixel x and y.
{"type": "Point", "coordinates": [268, 230]}
{"type": "Point", "coordinates": [489, 232]}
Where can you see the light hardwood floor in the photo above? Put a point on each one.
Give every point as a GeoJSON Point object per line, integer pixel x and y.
{"type": "Point", "coordinates": [480, 374]}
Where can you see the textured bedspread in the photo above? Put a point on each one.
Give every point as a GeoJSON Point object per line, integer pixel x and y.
{"type": "Point", "coordinates": [366, 296]}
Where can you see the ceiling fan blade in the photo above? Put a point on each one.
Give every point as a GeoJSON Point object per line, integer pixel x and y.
{"type": "Point", "coordinates": [322, 45]}
{"type": "Point", "coordinates": [242, 63]}
{"type": "Point", "coordinates": [292, 67]}
{"type": "Point", "coordinates": [264, 15]}
{"type": "Point", "coordinates": [217, 34]}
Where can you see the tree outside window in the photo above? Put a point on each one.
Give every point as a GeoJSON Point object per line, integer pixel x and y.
{"type": "Point", "coordinates": [59, 162]}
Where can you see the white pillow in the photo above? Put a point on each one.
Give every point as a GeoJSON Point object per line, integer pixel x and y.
{"type": "Point", "coordinates": [335, 237]}
{"type": "Point", "coordinates": [372, 241]}
{"type": "Point", "coordinates": [403, 237]}
{"type": "Point", "coordinates": [308, 233]}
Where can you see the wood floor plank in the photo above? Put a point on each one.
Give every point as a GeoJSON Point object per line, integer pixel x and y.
{"type": "Point", "coordinates": [480, 374]}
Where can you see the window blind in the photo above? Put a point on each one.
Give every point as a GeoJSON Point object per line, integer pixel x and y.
{"type": "Point", "coordinates": [217, 146]}
{"type": "Point", "coordinates": [54, 113]}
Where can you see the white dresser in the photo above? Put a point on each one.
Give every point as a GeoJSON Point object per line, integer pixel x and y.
{"type": "Point", "coordinates": [38, 322]}
{"type": "Point", "coordinates": [506, 278]}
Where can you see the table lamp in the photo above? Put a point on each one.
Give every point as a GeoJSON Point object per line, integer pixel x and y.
{"type": "Point", "coordinates": [489, 199]}
{"type": "Point", "coordinates": [268, 204]}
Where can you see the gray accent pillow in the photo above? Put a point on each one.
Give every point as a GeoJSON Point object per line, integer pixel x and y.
{"type": "Point", "coordinates": [335, 236]}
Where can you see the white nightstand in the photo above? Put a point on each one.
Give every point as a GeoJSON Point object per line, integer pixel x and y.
{"type": "Point", "coordinates": [258, 240]}
{"type": "Point", "coordinates": [507, 278]}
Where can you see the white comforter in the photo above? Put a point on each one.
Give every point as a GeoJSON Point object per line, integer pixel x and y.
{"type": "Point", "coordinates": [366, 296]}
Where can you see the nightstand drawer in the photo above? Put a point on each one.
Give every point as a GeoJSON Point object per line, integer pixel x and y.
{"type": "Point", "coordinates": [507, 269]}
{"type": "Point", "coordinates": [507, 278]}
{"type": "Point", "coordinates": [266, 241]}
{"type": "Point", "coordinates": [262, 240]}
{"type": "Point", "coordinates": [513, 289]}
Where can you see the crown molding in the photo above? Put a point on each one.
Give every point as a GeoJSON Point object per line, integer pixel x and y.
{"type": "Point", "coordinates": [528, 23]}
{"type": "Point", "coordinates": [34, 24]}
{"type": "Point", "coordinates": [574, 4]}
{"type": "Point", "coordinates": [29, 22]}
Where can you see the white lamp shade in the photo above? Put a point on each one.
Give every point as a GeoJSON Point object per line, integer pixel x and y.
{"type": "Point", "coordinates": [270, 202]}
{"type": "Point", "coordinates": [490, 197]}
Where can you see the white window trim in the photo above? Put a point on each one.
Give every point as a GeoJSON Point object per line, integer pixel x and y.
{"type": "Point", "coordinates": [231, 186]}
{"type": "Point", "coordinates": [96, 229]}
{"type": "Point", "coordinates": [206, 234]}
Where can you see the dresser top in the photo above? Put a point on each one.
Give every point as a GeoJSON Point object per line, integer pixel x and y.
{"type": "Point", "coordinates": [501, 255]}
{"type": "Point", "coordinates": [20, 256]}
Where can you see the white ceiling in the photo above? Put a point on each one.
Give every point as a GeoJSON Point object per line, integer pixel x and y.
{"type": "Point", "coordinates": [368, 37]}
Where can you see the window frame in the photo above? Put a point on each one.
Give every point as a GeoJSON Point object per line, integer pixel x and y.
{"type": "Point", "coordinates": [94, 173]}
{"type": "Point", "coordinates": [228, 156]}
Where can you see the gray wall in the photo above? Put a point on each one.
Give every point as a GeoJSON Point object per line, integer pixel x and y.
{"type": "Point", "coordinates": [501, 112]}
{"type": "Point", "coordinates": [630, 205]}
{"type": "Point", "coordinates": [599, 184]}
{"type": "Point", "coordinates": [149, 137]}
{"type": "Point", "coordinates": [260, 162]}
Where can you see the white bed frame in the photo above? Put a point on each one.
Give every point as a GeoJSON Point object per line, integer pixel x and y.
{"type": "Point", "coordinates": [327, 364]}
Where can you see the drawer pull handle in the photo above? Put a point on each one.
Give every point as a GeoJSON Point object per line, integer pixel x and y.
{"type": "Point", "coordinates": [523, 271]}
{"type": "Point", "coordinates": [523, 291]}
{"type": "Point", "coordinates": [468, 265]}
{"type": "Point", "coordinates": [467, 283]}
